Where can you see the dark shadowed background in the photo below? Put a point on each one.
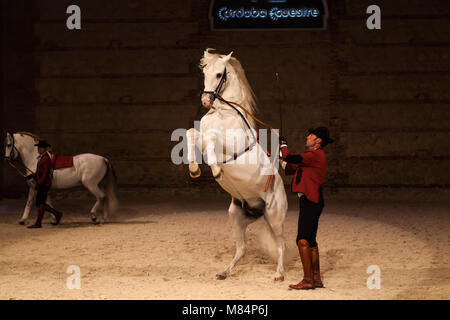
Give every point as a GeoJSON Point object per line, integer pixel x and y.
{"type": "Point", "coordinates": [119, 87]}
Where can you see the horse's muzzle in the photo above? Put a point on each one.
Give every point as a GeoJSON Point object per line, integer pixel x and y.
{"type": "Point", "coordinates": [207, 100]}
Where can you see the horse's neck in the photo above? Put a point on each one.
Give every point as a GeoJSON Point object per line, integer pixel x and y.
{"type": "Point", "coordinates": [231, 119]}
{"type": "Point", "coordinates": [233, 91]}
{"type": "Point", "coordinates": [28, 154]}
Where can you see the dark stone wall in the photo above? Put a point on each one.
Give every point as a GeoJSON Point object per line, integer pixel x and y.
{"type": "Point", "coordinates": [19, 70]}
{"type": "Point", "coordinates": [119, 87]}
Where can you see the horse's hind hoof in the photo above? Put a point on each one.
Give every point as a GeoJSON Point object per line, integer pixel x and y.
{"type": "Point", "coordinates": [221, 276]}
{"type": "Point", "coordinates": [279, 278]}
{"type": "Point", "coordinates": [22, 223]}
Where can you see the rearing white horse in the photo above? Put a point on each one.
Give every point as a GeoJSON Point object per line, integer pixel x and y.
{"type": "Point", "coordinates": [88, 170]}
{"type": "Point", "coordinates": [241, 170]}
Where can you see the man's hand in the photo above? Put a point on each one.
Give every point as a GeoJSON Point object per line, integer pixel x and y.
{"type": "Point", "coordinates": [283, 163]}
{"type": "Point", "coordinates": [30, 181]}
{"type": "Point", "coordinates": [282, 141]}
{"type": "Point", "coordinates": [283, 144]}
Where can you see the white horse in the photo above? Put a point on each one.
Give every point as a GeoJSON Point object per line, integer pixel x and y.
{"type": "Point", "coordinates": [88, 170]}
{"type": "Point", "coordinates": [243, 171]}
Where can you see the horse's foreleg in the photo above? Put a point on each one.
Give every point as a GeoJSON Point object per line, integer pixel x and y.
{"type": "Point", "coordinates": [194, 169]}
{"type": "Point", "coordinates": [210, 148]}
{"type": "Point", "coordinates": [240, 223]}
{"type": "Point", "coordinates": [28, 205]}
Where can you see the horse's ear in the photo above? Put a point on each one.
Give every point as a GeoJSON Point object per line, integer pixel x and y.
{"type": "Point", "coordinates": [228, 57]}
{"type": "Point", "coordinates": [207, 53]}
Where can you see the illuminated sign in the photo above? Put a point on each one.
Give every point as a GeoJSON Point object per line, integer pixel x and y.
{"type": "Point", "coordinates": [268, 14]}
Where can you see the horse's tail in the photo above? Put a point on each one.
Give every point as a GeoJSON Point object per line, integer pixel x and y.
{"type": "Point", "coordinates": [111, 187]}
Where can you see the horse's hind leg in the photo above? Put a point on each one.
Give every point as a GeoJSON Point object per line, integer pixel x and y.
{"type": "Point", "coordinates": [274, 217]}
{"type": "Point", "coordinates": [105, 206]}
{"type": "Point", "coordinates": [240, 223]}
{"type": "Point", "coordinates": [99, 195]}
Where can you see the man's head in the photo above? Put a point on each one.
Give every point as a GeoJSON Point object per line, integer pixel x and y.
{"type": "Point", "coordinates": [313, 141]}
{"type": "Point", "coordinates": [42, 146]}
{"type": "Point", "coordinates": [318, 137]}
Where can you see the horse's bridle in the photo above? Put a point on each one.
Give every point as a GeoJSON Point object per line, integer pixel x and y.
{"type": "Point", "coordinates": [216, 93]}
{"type": "Point", "coordinates": [213, 95]}
{"type": "Point", "coordinates": [12, 154]}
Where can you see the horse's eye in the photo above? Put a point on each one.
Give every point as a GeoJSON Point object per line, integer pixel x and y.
{"type": "Point", "coordinates": [218, 75]}
{"type": "Point", "coordinates": [8, 145]}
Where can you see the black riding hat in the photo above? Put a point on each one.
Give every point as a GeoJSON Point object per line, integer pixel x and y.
{"type": "Point", "coordinates": [43, 144]}
{"type": "Point", "coordinates": [322, 133]}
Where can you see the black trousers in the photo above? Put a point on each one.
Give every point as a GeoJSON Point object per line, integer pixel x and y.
{"type": "Point", "coordinates": [308, 219]}
{"type": "Point", "coordinates": [41, 196]}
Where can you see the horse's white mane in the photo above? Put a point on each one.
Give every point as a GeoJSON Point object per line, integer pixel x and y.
{"type": "Point", "coordinates": [248, 96]}
{"type": "Point", "coordinates": [32, 135]}
{"type": "Point", "coordinates": [28, 134]}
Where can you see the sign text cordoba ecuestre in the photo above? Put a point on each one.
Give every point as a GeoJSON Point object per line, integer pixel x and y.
{"type": "Point", "coordinates": [268, 14]}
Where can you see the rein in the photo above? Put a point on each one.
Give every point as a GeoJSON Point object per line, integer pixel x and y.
{"type": "Point", "coordinates": [216, 95]}
{"type": "Point", "coordinates": [17, 169]}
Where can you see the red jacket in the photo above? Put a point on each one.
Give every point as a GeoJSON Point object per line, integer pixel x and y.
{"type": "Point", "coordinates": [43, 171]}
{"type": "Point", "coordinates": [309, 168]}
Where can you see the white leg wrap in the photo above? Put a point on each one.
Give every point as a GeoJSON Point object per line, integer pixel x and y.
{"type": "Point", "coordinates": [211, 154]}
{"type": "Point", "coordinates": [191, 151]}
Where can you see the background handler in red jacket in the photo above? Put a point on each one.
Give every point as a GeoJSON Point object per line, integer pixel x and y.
{"type": "Point", "coordinates": [43, 177]}
{"type": "Point", "coordinates": [309, 169]}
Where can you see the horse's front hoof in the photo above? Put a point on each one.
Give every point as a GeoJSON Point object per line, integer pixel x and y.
{"type": "Point", "coordinates": [221, 276]}
{"type": "Point", "coordinates": [94, 219]}
{"type": "Point", "coordinates": [217, 175]}
{"type": "Point", "coordinates": [195, 175]}
{"type": "Point", "coordinates": [22, 223]}
{"type": "Point", "coordinates": [194, 170]}
{"type": "Point", "coordinates": [278, 278]}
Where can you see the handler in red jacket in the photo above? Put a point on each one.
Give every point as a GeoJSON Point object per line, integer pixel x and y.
{"type": "Point", "coordinates": [43, 177]}
{"type": "Point", "coordinates": [309, 169]}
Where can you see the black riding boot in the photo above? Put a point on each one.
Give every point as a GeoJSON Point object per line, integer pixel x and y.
{"type": "Point", "coordinates": [56, 213]}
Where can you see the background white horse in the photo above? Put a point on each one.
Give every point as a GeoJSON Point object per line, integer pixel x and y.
{"type": "Point", "coordinates": [88, 170]}
{"type": "Point", "coordinates": [245, 178]}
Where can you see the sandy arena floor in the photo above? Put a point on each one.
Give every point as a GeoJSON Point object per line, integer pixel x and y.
{"type": "Point", "coordinates": [167, 250]}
